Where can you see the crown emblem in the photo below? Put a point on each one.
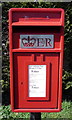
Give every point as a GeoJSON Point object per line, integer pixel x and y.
{"type": "Point", "coordinates": [28, 42]}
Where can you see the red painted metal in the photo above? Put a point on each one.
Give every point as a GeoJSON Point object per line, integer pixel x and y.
{"type": "Point", "coordinates": [37, 21]}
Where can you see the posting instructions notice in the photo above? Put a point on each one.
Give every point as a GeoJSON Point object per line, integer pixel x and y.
{"type": "Point", "coordinates": [37, 80]}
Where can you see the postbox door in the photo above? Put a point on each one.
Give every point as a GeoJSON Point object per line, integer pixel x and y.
{"type": "Point", "coordinates": [48, 66]}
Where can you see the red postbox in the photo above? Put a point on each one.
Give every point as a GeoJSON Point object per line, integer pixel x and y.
{"type": "Point", "coordinates": [36, 57]}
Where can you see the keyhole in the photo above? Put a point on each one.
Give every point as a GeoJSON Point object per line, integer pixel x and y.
{"type": "Point", "coordinates": [21, 83]}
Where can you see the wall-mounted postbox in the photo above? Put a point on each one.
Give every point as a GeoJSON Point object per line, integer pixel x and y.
{"type": "Point", "coordinates": [36, 56]}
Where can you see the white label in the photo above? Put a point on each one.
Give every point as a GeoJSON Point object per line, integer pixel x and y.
{"type": "Point", "coordinates": [37, 80]}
